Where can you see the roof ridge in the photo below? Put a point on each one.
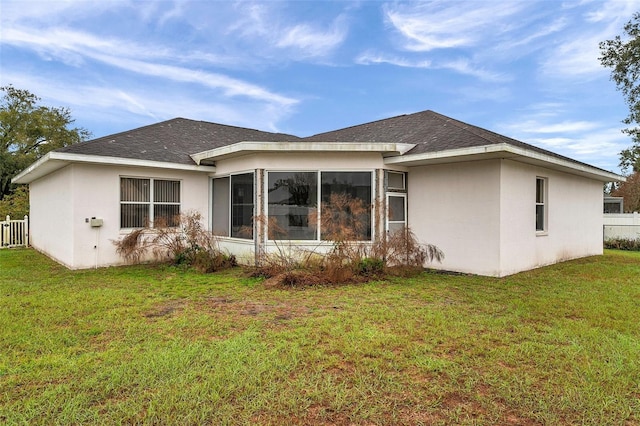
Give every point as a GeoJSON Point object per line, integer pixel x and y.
{"type": "Point", "coordinates": [363, 124]}
{"type": "Point", "coordinates": [472, 128]}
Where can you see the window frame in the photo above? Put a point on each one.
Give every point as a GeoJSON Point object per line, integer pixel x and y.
{"type": "Point", "coordinates": [396, 188]}
{"type": "Point", "coordinates": [318, 205]}
{"type": "Point", "coordinates": [542, 202]}
{"type": "Point", "coordinates": [388, 220]}
{"type": "Point", "coordinates": [230, 205]}
{"type": "Point", "coordinates": [151, 203]}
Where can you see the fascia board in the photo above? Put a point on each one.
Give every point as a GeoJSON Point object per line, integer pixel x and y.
{"type": "Point", "coordinates": [53, 161]}
{"type": "Point", "coordinates": [242, 148]}
{"type": "Point", "coordinates": [505, 150]}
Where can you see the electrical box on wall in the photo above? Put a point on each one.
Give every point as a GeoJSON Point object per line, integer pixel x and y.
{"type": "Point", "coordinates": [96, 222]}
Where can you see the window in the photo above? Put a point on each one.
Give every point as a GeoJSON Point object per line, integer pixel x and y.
{"type": "Point", "coordinates": [319, 205]}
{"type": "Point", "coordinates": [541, 204]}
{"type": "Point", "coordinates": [293, 205]}
{"type": "Point", "coordinates": [149, 201]}
{"type": "Point", "coordinates": [396, 180]}
{"type": "Point", "coordinates": [346, 205]}
{"type": "Point", "coordinates": [242, 206]}
{"type": "Point", "coordinates": [396, 212]}
{"type": "Point", "coordinates": [232, 210]}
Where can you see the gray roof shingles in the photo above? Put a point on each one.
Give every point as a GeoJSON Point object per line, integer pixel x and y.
{"type": "Point", "coordinates": [174, 140]}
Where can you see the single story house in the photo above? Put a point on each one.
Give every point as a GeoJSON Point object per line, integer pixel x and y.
{"type": "Point", "coordinates": [494, 205]}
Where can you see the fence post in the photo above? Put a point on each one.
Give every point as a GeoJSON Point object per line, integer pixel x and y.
{"type": "Point", "coordinates": [26, 230]}
{"type": "Point", "coordinates": [6, 232]}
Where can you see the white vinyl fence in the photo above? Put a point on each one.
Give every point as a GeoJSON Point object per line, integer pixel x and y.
{"type": "Point", "coordinates": [14, 233]}
{"type": "Point", "coordinates": [622, 225]}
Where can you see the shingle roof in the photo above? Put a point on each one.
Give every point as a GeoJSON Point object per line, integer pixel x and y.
{"type": "Point", "coordinates": [428, 130]}
{"type": "Point", "coordinates": [172, 141]}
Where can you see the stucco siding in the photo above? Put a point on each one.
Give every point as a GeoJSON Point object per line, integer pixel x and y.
{"type": "Point", "coordinates": [301, 161]}
{"type": "Point", "coordinates": [82, 192]}
{"type": "Point", "coordinates": [51, 215]}
{"type": "Point", "coordinates": [574, 215]}
{"type": "Point", "coordinates": [456, 207]}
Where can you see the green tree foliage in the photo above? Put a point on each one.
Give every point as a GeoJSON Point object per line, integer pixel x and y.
{"type": "Point", "coordinates": [28, 131]}
{"type": "Point", "coordinates": [15, 204]}
{"type": "Point", "coordinates": [622, 55]}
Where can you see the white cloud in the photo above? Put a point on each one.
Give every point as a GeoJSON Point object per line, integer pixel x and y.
{"type": "Point", "coordinates": [139, 106]}
{"type": "Point", "coordinates": [576, 54]}
{"type": "Point", "coordinates": [275, 34]}
{"type": "Point", "coordinates": [312, 41]}
{"type": "Point", "coordinates": [460, 65]}
{"type": "Point", "coordinates": [537, 126]}
{"type": "Point", "coordinates": [74, 48]}
{"type": "Point", "coordinates": [369, 57]}
{"type": "Point", "coordinates": [438, 24]}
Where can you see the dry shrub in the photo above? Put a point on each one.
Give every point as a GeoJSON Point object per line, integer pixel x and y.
{"type": "Point", "coordinates": [189, 243]}
{"type": "Point", "coordinates": [402, 253]}
{"type": "Point", "coordinates": [132, 247]}
{"type": "Point", "coordinates": [345, 221]}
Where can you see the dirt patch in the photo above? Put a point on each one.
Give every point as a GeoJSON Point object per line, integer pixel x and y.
{"type": "Point", "coordinates": [166, 309]}
{"type": "Point", "coordinates": [279, 311]}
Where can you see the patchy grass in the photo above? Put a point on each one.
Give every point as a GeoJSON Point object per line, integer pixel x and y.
{"type": "Point", "coordinates": [164, 345]}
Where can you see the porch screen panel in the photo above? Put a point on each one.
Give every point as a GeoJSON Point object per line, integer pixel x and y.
{"type": "Point", "coordinates": [242, 206]}
{"type": "Point", "coordinates": [135, 197]}
{"type": "Point", "coordinates": [166, 202]}
{"type": "Point", "coordinates": [293, 205]}
{"type": "Point", "coordinates": [346, 205]}
{"type": "Point", "coordinates": [220, 208]}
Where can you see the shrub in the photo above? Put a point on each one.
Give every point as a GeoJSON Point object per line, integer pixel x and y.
{"type": "Point", "coordinates": [349, 259]}
{"type": "Point", "coordinates": [623, 244]}
{"type": "Point", "coordinates": [186, 244]}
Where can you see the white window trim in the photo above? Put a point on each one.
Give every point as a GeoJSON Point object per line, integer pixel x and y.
{"type": "Point", "coordinates": [544, 204]}
{"type": "Point", "coordinates": [151, 201]}
{"type": "Point", "coordinates": [318, 172]}
{"type": "Point", "coordinates": [387, 221]}
{"type": "Point", "coordinates": [230, 208]}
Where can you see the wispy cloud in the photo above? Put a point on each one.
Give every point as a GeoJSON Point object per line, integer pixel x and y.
{"type": "Point", "coordinates": [440, 25]}
{"type": "Point", "coordinates": [261, 25]}
{"type": "Point", "coordinates": [576, 54]}
{"type": "Point", "coordinates": [312, 41]}
{"type": "Point", "coordinates": [74, 48]}
{"type": "Point", "coordinates": [461, 65]}
{"type": "Point", "coordinates": [594, 142]}
{"type": "Point", "coordinates": [538, 126]}
{"type": "Point", "coordinates": [370, 57]}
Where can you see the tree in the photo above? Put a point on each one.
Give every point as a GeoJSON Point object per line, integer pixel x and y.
{"type": "Point", "coordinates": [15, 204]}
{"type": "Point", "coordinates": [630, 192]}
{"type": "Point", "coordinates": [623, 57]}
{"type": "Point", "coordinates": [28, 131]}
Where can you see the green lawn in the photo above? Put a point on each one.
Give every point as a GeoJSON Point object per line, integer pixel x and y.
{"type": "Point", "coordinates": [162, 345]}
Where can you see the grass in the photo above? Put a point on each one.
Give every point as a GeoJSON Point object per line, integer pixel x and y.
{"type": "Point", "coordinates": [163, 345]}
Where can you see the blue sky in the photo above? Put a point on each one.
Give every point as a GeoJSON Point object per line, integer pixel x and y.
{"type": "Point", "coordinates": [526, 69]}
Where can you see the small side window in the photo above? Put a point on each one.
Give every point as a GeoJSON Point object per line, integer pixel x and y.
{"type": "Point", "coordinates": [541, 204]}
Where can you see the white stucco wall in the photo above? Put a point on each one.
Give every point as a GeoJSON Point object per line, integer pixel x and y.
{"type": "Point", "coordinates": [79, 192]}
{"type": "Point", "coordinates": [482, 215]}
{"type": "Point", "coordinates": [574, 212]}
{"type": "Point", "coordinates": [301, 161]}
{"type": "Point", "coordinates": [457, 208]}
{"type": "Point", "coordinates": [51, 215]}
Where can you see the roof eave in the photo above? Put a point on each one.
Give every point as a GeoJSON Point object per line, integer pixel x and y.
{"type": "Point", "coordinates": [53, 161]}
{"type": "Point", "coordinates": [248, 147]}
{"type": "Point", "coordinates": [505, 151]}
